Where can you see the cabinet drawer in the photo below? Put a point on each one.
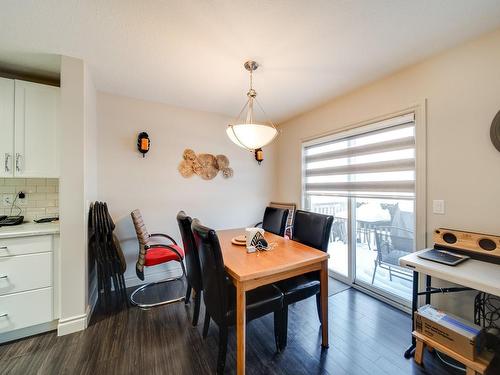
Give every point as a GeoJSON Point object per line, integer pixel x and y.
{"type": "Point", "coordinates": [25, 272]}
{"type": "Point", "coordinates": [25, 309]}
{"type": "Point", "coordinates": [25, 245]}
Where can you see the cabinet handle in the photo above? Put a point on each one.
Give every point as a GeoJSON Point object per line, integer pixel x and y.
{"type": "Point", "coordinates": [4, 277]}
{"type": "Point", "coordinates": [3, 247]}
{"type": "Point", "coordinates": [4, 315]}
{"type": "Point", "coordinates": [18, 162]}
{"type": "Point", "coordinates": [7, 156]}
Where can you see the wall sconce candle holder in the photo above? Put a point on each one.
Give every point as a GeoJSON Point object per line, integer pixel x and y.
{"type": "Point", "coordinates": [143, 143]}
{"type": "Point", "coordinates": [259, 155]}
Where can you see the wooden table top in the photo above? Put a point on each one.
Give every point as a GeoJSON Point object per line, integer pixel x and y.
{"type": "Point", "coordinates": [286, 255]}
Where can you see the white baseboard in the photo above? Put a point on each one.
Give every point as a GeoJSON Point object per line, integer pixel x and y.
{"type": "Point", "coordinates": [73, 324]}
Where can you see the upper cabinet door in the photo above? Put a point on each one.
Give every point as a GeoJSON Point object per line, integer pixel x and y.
{"type": "Point", "coordinates": [6, 127]}
{"type": "Point", "coordinates": [36, 131]}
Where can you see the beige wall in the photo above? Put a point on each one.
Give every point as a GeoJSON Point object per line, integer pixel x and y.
{"type": "Point", "coordinates": [90, 171]}
{"type": "Point", "coordinates": [462, 88]}
{"type": "Point", "coordinates": [78, 185]}
{"type": "Point", "coordinates": [90, 138]}
{"type": "Point", "coordinates": [127, 181]}
{"type": "Point", "coordinates": [73, 253]}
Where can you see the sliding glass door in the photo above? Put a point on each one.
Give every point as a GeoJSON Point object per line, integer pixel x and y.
{"type": "Point", "coordinates": [338, 248]}
{"type": "Point", "coordinates": [365, 178]}
{"type": "Point", "coordinates": [384, 231]}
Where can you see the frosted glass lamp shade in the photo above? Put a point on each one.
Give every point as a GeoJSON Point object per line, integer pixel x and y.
{"type": "Point", "coordinates": [251, 136]}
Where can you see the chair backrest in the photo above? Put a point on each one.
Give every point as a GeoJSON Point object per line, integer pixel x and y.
{"type": "Point", "coordinates": [274, 220]}
{"type": "Point", "coordinates": [291, 207]}
{"type": "Point", "coordinates": [390, 238]}
{"type": "Point", "coordinates": [143, 238]}
{"type": "Point", "coordinates": [213, 274]}
{"type": "Point", "coordinates": [140, 227]}
{"type": "Point", "coordinates": [312, 229]}
{"type": "Point", "coordinates": [190, 251]}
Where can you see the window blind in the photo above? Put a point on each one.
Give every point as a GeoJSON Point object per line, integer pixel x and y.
{"type": "Point", "coordinates": [369, 163]}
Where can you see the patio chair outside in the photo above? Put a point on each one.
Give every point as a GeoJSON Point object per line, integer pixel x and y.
{"type": "Point", "coordinates": [392, 243]}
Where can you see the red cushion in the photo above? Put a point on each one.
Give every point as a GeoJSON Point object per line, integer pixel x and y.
{"type": "Point", "coordinates": [158, 255]}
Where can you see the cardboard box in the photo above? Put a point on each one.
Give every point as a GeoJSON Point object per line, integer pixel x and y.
{"type": "Point", "coordinates": [455, 333]}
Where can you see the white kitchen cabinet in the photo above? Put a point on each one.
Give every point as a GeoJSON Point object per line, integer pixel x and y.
{"type": "Point", "coordinates": [29, 290]}
{"type": "Point", "coordinates": [25, 309]}
{"type": "Point", "coordinates": [29, 144]}
{"type": "Point", "coordinates": [6, 127]}
{"type": "Point", "coordinates": [35, 131]}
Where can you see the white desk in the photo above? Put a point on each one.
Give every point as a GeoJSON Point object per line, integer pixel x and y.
{"type": "Point", "coordinates": [474, 274]}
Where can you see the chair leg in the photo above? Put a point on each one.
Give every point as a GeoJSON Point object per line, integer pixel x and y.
{"type": "Point", "coordinates": [206, 325]}
{"type": "Point", "coordinates": [196, 312]}
{"type": "Point", "coordinates": [278, 328]}
{"type": "Point", "coordinates": [284, 328]}
{"type": "Point", "coordinates": [221, 360]}
{"type": "Point", "coordinates": [188, 294]}
{"type": "Point", "coordinates": [318, 307]}
{"type": "Point", "coordinates": [374, 271]}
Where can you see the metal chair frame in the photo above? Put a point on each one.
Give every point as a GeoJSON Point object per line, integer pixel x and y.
{"type": "Point", "coordinates": [147, 306]}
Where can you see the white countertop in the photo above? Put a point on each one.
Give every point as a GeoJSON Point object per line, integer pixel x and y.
{"type": "Point", "coordinates": [29, 229]}
{"type": "Point", "coordinates": [472, 273]}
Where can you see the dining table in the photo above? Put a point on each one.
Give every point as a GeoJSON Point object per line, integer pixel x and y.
{"type": "Point", "coordinates": [248, 271]}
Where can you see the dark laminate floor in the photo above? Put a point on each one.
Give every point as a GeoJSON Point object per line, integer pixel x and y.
{"type": "Point", "coordinates": [367, 338]}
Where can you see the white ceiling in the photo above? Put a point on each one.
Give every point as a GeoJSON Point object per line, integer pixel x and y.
{"type": "Point", "coordinates": [190, 53]}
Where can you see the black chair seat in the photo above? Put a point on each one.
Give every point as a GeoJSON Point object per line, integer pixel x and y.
{"type": "Point", "coordinates": [298, 288]}
{"type": "Point", "coordinates": [260, 302]}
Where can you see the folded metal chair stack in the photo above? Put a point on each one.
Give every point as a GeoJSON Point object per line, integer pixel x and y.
{"type": "Point", "coordinates": [105, 251]}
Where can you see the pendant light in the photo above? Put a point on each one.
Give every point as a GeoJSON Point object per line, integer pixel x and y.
{"type": "Point", "coordinates": [248, 133]}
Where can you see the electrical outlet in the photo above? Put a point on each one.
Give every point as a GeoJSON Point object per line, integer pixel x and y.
{"type": "Point", "coordinates": [7, 200]}
{"type": "Point", "coordinates": [21, 202]}
{"type": "Point", "coordinates": [438, 206]}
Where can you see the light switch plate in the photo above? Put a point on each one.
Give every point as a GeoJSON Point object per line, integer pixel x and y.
{"type": "Point", "coordinates": [438, 206]}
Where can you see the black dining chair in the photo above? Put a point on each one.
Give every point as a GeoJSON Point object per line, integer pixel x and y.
{"type": "Point", "coordinates": [274, 220]}
{"type": "Point", "coordinates": [219, 294]}
{"type": "Point", "coordinates": [313, 230]}
{"type": "Point", "coordinates": [193, 271]}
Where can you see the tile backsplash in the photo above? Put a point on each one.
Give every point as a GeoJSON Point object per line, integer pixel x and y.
{"type": "Point", "coordinates": [42, 197]}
